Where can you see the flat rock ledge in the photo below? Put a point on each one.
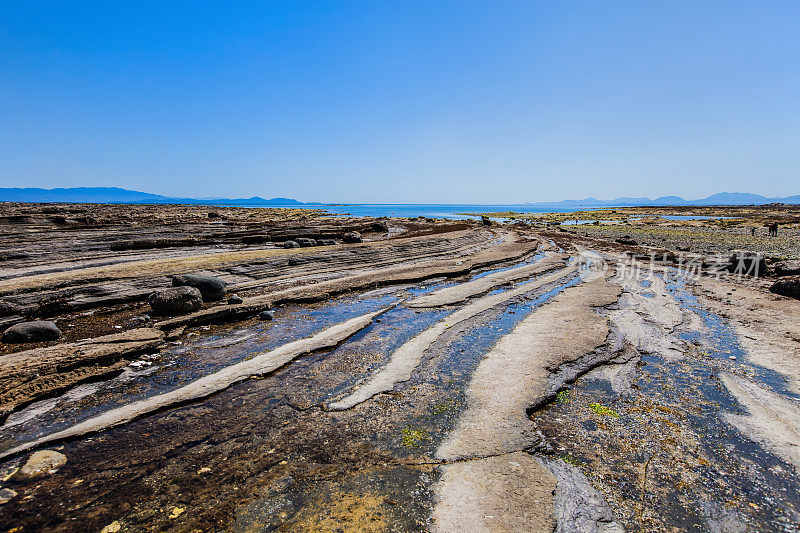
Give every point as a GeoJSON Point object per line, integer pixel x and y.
{"type": "Point", "coordinates": [41, 372]}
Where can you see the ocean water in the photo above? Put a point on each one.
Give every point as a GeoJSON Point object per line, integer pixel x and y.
{"type": "Point", "coordinates": [451, 211]}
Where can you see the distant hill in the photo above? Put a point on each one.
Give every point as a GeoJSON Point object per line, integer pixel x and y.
{"type": "Point", "coordinates": [78, 194]}
{"type": "Point", "coordinates": [722, 198]}
{"type": "Point", "coordinates": [116, 195]}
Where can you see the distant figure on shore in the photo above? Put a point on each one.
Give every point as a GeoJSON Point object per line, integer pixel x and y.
{"type": "Point", "coordinates": [773, 229]}
{"type": "Point", "coordinates": [753, 232]}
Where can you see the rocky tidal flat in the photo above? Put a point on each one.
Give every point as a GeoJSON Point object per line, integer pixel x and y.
{"type": "Point", "coordinates": [196, 368]}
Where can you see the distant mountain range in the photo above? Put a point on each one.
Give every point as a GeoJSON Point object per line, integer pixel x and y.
{"type": "Point", "coordinates": [721, 198]}
{"type": "Point", "coordinates": [116, 195]}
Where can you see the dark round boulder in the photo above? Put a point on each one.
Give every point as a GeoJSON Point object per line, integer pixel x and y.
{"type": "Point", "coordinates": [747, 263]}
{"type": "Point", "coordinates": [212, 289]}
{"type": "Point", "coordinates": [36, 331]}
{"type": "Point", "coordinates": [266, 315]}
{"type": "Point", "coordinates": [352, 237]}
{"type": "Point", "coordinates": [787, 287]}
{"type": "Point", "coordinates": [291, 244]}
{"type": "Point", "coordinates": [486, 221]}
{"type": "Point", "coordinates": [176, 300]}
{"type": "Point", "coordinates": [380, 227]}
{"type": "Point", "coordinates": [326, 242]}
{"type": "Point", "coordinates": [306, 242]}
{"type": "Point", "coordinates": [234, 299]}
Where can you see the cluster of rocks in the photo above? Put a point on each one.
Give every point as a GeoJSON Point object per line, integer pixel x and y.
{"type": "Point", "coordinates": [187, 294]}
{"type": "Point", "coordinates": [175, 301]}
{"type": "Point", "coordinates": [306, 242]}
{"type": "Point", "coordinates": [212, 289]}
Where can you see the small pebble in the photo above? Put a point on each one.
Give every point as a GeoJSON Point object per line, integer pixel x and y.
{"type": "Point", "coordinates": [42, 462]}
{"type": "Point", "coordinates": [113, 527]}
{"type": "Point", "coordinates": [6, 495]}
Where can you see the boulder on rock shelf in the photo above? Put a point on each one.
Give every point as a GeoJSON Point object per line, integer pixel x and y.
{"type": "Point", "coordinates": [326, 242]}
{"type": "Point", "coordinates": [306, 242]}
{"type": "Point", "coordinates": [486, 221]}
{"type": "Point", "coordinates": [6, 495]}
{"type": "Point", "coordinates": [212, 289]}
{"type": "Point", "coordinates": [291, 244]}
{"type": "Point", "coordinates": [234, 299]}
{"type": "Point", "coordinates": [352, 237]}
{"type": "Point", "coordinates": [380, 227]}
{"type": "Point", "coordinates": [627, 240]}
{"type": "Point", "coordinates": [787, 287]}
{"type": "Point", "coordinates": [749, 263]}
{"type": "Point", "coordinates": [787, 268]}
{"type": "Point", "coordinates": [176, 300]}
{"type": "Point", "coordinates": [266, 315]}
{"type": "Point", "coordinates": [35, 331]}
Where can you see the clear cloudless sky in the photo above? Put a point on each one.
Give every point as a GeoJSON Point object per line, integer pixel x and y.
{"type": "Point", "coordinates": [463, 101]}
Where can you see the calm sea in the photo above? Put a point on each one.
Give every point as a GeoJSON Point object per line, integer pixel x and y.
{"type": "Point", "coordinates": [453, 211]}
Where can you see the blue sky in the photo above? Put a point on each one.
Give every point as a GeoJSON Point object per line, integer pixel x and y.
{"type": "Point", "coordinates": [412, 101]}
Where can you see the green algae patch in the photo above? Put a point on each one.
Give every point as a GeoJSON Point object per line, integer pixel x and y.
{"type": "Point", "coordinates": [412, 437]}
{"type": "Point", "coordinates": [563, 396]}
{"type": "Point", "coordinates": [602, 410]}
{"type": "Point", "coordinates": [443, 407]}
